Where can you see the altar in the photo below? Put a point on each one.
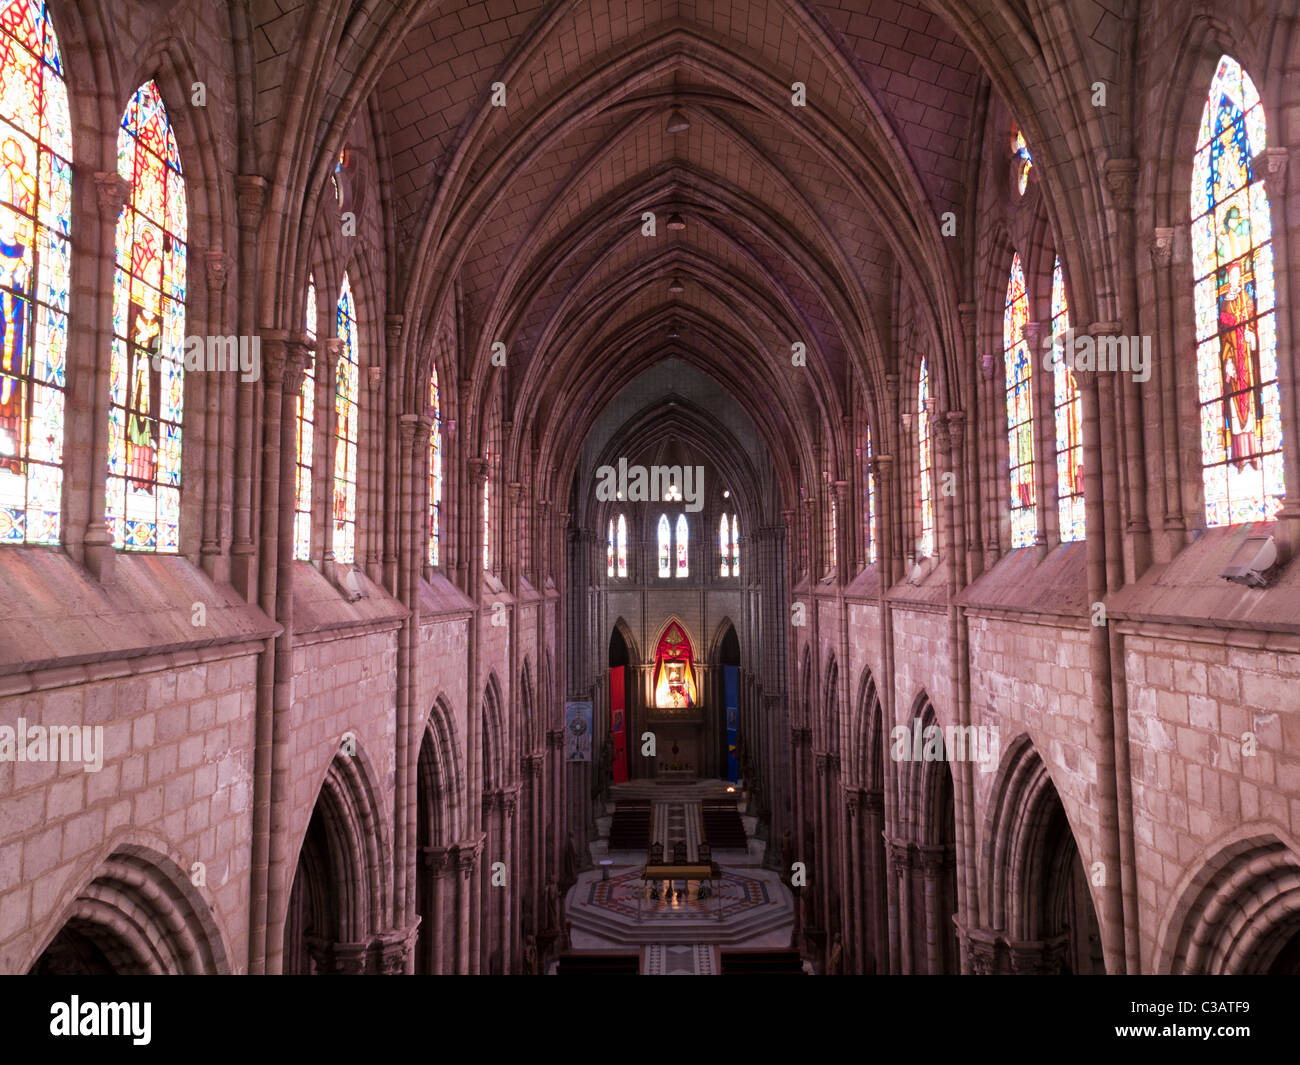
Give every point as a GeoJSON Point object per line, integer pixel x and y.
{"type": "Point", "coordinates": [675, 713]}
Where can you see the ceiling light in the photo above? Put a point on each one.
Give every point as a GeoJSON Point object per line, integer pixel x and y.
{"type": "Point", "coordinates": [675, 286]}
{"type": "Point", "coordinates": [678, 122]}
{"type": "Point", "coordinates": [676, 222]}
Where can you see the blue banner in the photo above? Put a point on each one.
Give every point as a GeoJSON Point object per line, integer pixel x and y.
{"type": "Point", "coordinates": [731, 702]}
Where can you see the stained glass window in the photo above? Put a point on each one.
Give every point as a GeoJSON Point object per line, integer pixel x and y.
{"type": "Point", "coordinates": [435, 472]}
{"type": "Point", "coordinates": [870, 500]}
{"type": "Point", "coordinates": [487, 508]}
{"type": "Point", "coordinates": [1236, 331]}
{"type": "Point", "coordinates": [147, 370]}
{"type": "Point", "coordinates": [683, 538]}
{"type": "Point", "coordinates": [1023, 161]}
{"type": "Point", "coordinates": [347, 421]}
{"type": "Point", "coordinates": [665, 542]}
{"type": "Point", "coordinates": [724, 545]}
{"type": "Point", "coordinates": [621, 543]}
{"type": "Point", "coordinates": [925, 544]}
{"type": "Point", "coordinates": [1020, 410]}
{"type": "Point", "coordinates": [735, 546]}
{"type": "Point", "coordinates": [609, 549]}
{"type": "Point", "coordinates": [833, 545]}
{"type": "Point", "coordinates": [1069, 420]}
{"type": "Point", "coordinates": [306, 438]}
{"type": "Point", "coordinates": [35, 219]}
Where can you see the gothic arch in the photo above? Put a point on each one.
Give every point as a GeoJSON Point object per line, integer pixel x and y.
{"type": "Point", "coordinates": [138, 914]}
{"type": "Point", "coordinates": [866, 740]}
{"type": "Point", "coordinates": [441, 777]}
{"type": "Point", "coordinates": [340, 894]}
{"type": "Point", "coordinates": [1035, 888]}
{"type": "Point", "coordinates": [494, 736]}
{"type": "Point", "coordinates": [1239, 913]}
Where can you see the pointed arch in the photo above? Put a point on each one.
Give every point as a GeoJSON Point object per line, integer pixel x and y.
{"type": "Point", "coordinates": [494, 735]}
{"type": "Point", "coordinates": [138, 914]}
{"type": "Point", "coordinates": [35, 267]}
{"type": "Point", "coordinates": [339, 899]}
{"type": "Point", "coordinates": [435, 470]}
{"type": "Point", "coordinates": [1033, 870]}
{"type": "Point", "coordinates": [925, 459]}
{"type": "Point", "coordinates": [1068, 408]}
{"type": "Point", "coordinates": [1240, 912]}
{"type": "Point", "coordinates": [147, 367]}
{"type": "Point", "coordinates": [346, 429]}
{"type": "Point", "coordinates": [1018, 368]}
{"type": "Point", "coordinates": [1234, 297]}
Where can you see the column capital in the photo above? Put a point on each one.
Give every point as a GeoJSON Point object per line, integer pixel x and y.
{"type": "Point", "coordinates": [393, 329]}
{"type": "Point", "coordinates": [1162, 246]}
{"type": "Point", "coordinates": [216, 268]}
{"type": "Point", "coordinates": [111, 193]}
{"type": "Point", "coordinates": [1121, 179]}
{"type": "Point", "coordinates": [436, 859]}
{"type": "Point", "coordinates": [555, 739]}
{"type": "Point", "coordinates": [1275, 160]}
{"type": "Point", "coordinates": [250, 198]}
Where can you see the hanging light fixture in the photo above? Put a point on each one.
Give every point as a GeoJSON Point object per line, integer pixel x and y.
{"type": "Point", "coordinates": [677, 121]}
{"type": "Point", "coordinates": [676, 222]}
{"type": "Point", "coordinates": [675, 286]}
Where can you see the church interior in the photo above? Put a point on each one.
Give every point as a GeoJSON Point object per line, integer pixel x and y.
{"type": "Point", "coordinates": [687, 487]}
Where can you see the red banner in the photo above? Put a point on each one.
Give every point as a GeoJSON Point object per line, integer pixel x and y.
{"type": "Point", "coordinates": [617, 728]}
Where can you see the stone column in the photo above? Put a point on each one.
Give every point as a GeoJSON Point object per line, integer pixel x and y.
{"type": "Point", "coordinates": [824, 872]}
{"type": "Point", "coordinates": [436, 861]}
{"type": "Point", "coordinates": [245, 493]}
{"type": "Point", "coordinates": [1285, 253]}
{"type": "Point", "coordinates": [216, 269]}
{"type": "Point", "coordinates": [505, 899]}
{"type": "Point", "coordinates": [855, 911]}
{"type": "Point", "coordinates": [112, 192]}
{"type": "Point", "coordinates": [1173, 525]}
{"type": "Point", "coordinates": [900, 915]}
{"type": "Point", "coordinates": [466, 936]}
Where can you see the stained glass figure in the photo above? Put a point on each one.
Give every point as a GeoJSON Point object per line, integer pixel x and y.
{"type": "Point", "coordinates": [1236, 331]}
{"type": "Point", "coordinates": [35, 220]}
{"type": "Point", "coordinates": [1020, 410]}
{"type": "Point", "coordinates": [870, 478]}
{"type": "Point", "coordinates": [735, 546]}
{"type": "Point", "coordinates": [925, 545]}
{"type": "Point", "coordinates": [347, 424]}
{"type": "Point", "coordinates": [621, 543]}
{"type": "Point", "coordinates": [147, 370]}
{"type": "Point", "coordinates": [487, 509]}
{"type": "Point", "coordinates": [435, 473]}
{"type": "Point", "coordinates": [665, 543]}
{"type": "Point", "coordinates": [724, 545]}
{"type": "Point", "coordinates": [1069, 420]}
{"type": "Point", "coordinates": [306, 415]}
{"type": "Point", "coordinates": [609, 549]}
{"type": "Point", "coordinates": [683, 538]}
